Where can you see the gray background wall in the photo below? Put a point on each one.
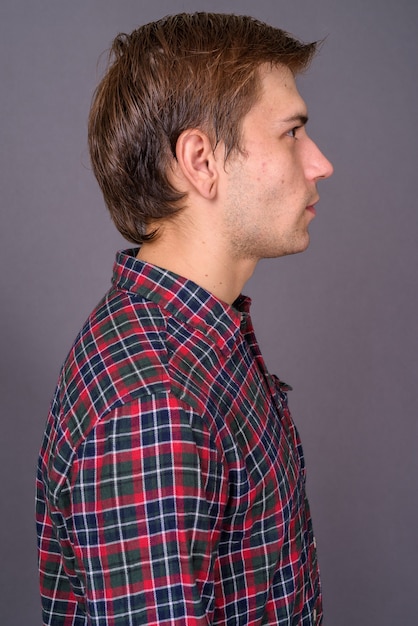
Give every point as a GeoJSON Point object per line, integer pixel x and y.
{"type": "Point", "coordinates": [338, 322]}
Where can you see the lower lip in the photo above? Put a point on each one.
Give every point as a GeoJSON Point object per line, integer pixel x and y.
{"type": "Point", "coordinates": [311, 209]}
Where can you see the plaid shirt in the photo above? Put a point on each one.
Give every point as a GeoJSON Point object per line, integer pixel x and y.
{"type": "Point", "coordinates": [171, 482]}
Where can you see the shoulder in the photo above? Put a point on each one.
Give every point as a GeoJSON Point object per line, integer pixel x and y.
{"type": "Point", "coordinates": [119, 355]}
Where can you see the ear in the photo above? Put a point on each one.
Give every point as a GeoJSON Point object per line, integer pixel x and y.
{"type": "Point", "coordinates": [197, 161]}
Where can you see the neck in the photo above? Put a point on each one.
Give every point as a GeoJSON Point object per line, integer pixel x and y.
{"type": "Point", "coordinates": [202, 260]}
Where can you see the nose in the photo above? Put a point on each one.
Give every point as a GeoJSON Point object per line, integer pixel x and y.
{"type": "Point", "coordinates": [319, 166]}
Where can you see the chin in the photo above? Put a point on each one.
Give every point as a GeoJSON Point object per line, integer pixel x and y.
{"type": "Point", "coordinates": [296, 248]}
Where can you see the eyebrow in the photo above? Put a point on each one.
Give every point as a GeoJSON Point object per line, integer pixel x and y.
{"type": "Point", "coordinates": [301, 118]}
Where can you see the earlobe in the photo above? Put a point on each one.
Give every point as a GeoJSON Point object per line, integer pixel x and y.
{"type": "Point", "coordinates": [197, 162]}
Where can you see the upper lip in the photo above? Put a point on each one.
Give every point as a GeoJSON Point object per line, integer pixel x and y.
{"type": "Point", "coordinates": [315, 201]}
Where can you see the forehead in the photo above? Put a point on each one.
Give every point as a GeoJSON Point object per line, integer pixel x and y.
{"type": "Point", "coordinates": [279, 96]}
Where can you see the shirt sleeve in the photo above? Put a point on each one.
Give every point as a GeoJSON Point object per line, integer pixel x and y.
{"type": "Point", "coordinates": [138, 523]}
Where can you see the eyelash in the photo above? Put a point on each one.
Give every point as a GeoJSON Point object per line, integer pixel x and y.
{"type": "Point", "coordinates": [292, 132]}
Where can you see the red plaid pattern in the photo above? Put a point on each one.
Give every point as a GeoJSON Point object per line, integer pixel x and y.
{"type": "Point", "coordinates": [171, 480]}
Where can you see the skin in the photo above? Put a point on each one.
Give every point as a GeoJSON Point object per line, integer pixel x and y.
{"type": "Point", "coordinates": [257, 205]}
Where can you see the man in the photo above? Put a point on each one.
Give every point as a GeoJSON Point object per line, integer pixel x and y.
{"type": "Point", "coordinates": [171, 483]}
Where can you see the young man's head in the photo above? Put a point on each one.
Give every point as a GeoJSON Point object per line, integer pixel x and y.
{"type": "Point", "coordinates": [198, 70]}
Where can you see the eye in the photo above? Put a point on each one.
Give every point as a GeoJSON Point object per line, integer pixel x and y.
{"type": "Point", "coordinates": [292, 132]}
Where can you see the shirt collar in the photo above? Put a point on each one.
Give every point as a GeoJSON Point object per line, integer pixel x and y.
{"type": "Point", "coordinates": [182, 298]}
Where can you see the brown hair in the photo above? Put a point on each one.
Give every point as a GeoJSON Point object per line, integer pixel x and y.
{"type": "Point", "coordinates": [184, 71]}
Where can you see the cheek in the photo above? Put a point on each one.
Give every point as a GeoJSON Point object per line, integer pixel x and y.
{"type": "Point", "coordinates": [274, 173]}
{"type": "Point", "coordinates": [262, 173]}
